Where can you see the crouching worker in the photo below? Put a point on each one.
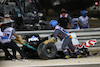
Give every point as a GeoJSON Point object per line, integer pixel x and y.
{"type": "Point", "coordinates": [60, 33]}
{"type": "Point", "coordinates": [8, 42]}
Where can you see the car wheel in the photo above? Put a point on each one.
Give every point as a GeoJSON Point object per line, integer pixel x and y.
{"type": "Point", "coordinates": [47, 51]}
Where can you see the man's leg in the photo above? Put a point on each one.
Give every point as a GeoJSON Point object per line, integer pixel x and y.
{"type": "Point", "coordinates": [65, 43]}
{"type": "Point", "coordinates": [18, 49]}
{"type": "Point", "coordinates": [73, 49]}
{"type": "Point", "coordinates": [8, 56]}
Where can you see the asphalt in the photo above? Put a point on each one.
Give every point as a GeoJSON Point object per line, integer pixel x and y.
{"type": "Point", "coordinates": [92, 61]}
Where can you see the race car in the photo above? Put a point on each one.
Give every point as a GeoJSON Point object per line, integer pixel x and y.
{"type": "Point", "coordinates": [52, 50]}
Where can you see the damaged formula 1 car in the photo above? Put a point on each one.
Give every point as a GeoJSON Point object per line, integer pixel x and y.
{"type": "Point", "coordinates": [52, 50]}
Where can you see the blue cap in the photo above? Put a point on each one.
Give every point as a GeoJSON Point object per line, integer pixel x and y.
{"type": "Point", "coordinates": [53, 23]}
{"type": "Point", "coordinates": [83, 12]}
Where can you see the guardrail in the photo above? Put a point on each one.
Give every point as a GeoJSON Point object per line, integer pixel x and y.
{"type": "Point", "coordinates": [82, 34]}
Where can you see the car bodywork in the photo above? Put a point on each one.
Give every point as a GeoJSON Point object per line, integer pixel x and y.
{"type": "Point", "coordinates": [52, 50]}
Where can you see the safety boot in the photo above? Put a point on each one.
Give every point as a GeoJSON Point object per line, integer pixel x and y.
{"type": "Point", "coordinates": [24, 59]}
{"type": "Point", "coordinates": [79, 56]}
{"type": "Point", "coordinates": [67, 57]}
{"type": "Point", "coordinates": [15, 59]}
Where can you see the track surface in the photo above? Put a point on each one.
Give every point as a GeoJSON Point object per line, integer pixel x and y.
{"type": "Point", "coordinates": [92, 61]}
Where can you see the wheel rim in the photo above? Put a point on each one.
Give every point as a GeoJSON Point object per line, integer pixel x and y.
{"type": "Point", "coordinates": [49, 50]}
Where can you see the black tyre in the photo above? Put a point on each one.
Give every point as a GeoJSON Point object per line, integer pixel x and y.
{"type": "Point", "coordinates": [47, 51]}
{"type": "Point", "coordinates": [30, 53]}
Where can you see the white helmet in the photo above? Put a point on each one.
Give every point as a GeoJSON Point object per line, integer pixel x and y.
{"type": "Point", "coordinates": [7, 19]}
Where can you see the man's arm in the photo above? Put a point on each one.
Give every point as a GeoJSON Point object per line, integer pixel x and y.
{"type": "Point", "coordinates": [18, 39]}
{"type": "Point", "coordinates": [52, 39]}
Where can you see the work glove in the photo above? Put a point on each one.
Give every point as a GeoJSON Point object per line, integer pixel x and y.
{"type": "Point", "coordinates": [46, 42]}
{"type": "Point", "coordinates": [50, 40]}
{"type": "Point", "coordinates": [16, 40]}
{"type": "Point", "coordinates": [19, 40]}
{"type": "Point", "coordinates": [55, 40]}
